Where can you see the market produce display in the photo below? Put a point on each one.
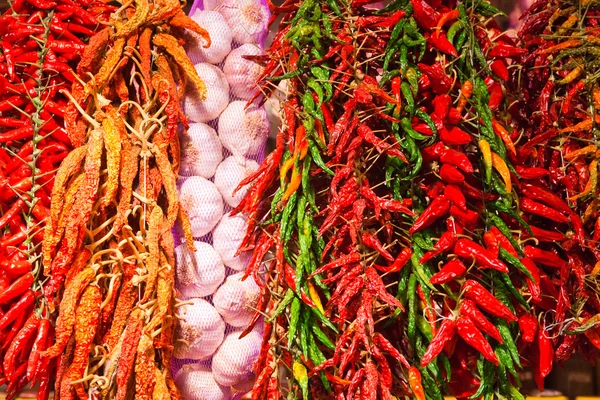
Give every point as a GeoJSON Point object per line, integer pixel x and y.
{"type": "Point", "coordinates": [108, 247]}
{"type": "Point", "coordinates": [404, 233]}
{"type": "Point", "coordinates": [41, 44]}
{"type": "Point", "coordinates": [227, 137]}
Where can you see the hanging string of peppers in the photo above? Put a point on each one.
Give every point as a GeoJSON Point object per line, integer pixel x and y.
{"type": "Point", "coordinates": [41, 43]}
{"type": "Point", "coordinates": [401, 242]}
{"type": "Point", "coordinates": [108, 246]}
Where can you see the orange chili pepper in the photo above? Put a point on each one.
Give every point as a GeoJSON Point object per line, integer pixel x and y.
{"type": "Point", "coordinates": [564, 45]}
{"type": "Point", "coordinates": [414, 380]}
{"type": "Point", "coordinates": [591, 184]}
{"type": "Point", "coordinates": [596, 94]}
{"type": "Point", "coordinates": [465, 94]}
{"type": "Point", "coordinates": [580, 152]}
{"type": "Point", "coordinates": [502, 168]}
{"type": "Point", "coordinates": [486, 151]}
{"type": "Point", "coordinates": [294, 184]}
{"type": "Point", "coordinates": [503, 134]}
{"type": "Point", "coordinates": [448, 17]}
{"type": "Point", "coordinates": [585, 125]}
{"type": "Point", "coordinates": [312, 291]}
{"type": "Point", "coordinates": [574, 74]}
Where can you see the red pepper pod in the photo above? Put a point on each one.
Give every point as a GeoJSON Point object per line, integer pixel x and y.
{"type": "Point", "coordinates": [451, 174]}
{"type": "Point", "coordinates": [467, 219]}
{"type": "Point", "coordinates": [467, 249]}
{"type": "Point", "coordinates": [546, 352]}
{"type": "Point", "coordinates": [425, 15]}
{"type": "Point", "coordinates": [414, 377]}
{"type": "Point", "coordinates": [399, 262]}
{"type": "Point", "coordinates": [528, 325]}
{"type": "Point", "coordinates": [531, 173]}
{"type": "Point", "coordinates": [473, 337]}
{"type": "Point", "coordinates": [433, 152]}
{"type": "Point", "coordinates": [503, 50]}
{"type": "Point", "coordinates": [443, 336]}
{"type": "Point", "coordinates": [458, 159]}
{"type": "Point", "coordinates": [499, 68]}
{"type": "Point", "coordinates": [445, 243]}
{"type": "Point", "coordinates": [439, 41]}
{"type": "Point", "coordinates": [486, 300]}
{"type": "Point", "coordinates": [533, 285]}
{"type": "Point", "coordinates": [439, 81]}
{"type": "Point", "coordinates": [542, 210]}
{"type": "Point", "coordinates": [456, 196]}
{"type": "Point", "coordinates": [441, 106]}
{"type": "Point", "coordinates": [544, 257]}
{"type": "Point", "coordinates": [39, 344]}
{"type": "Point", "coordinates": [546, 197]}
{"type": "Point", "coordinates": [436, 209]}
{"type": "Point", "coordinates": [491, 243]}
{"type": "Point", "coordinates": [17, 288]}
{"type": "Point", "coordinates": [468, 308]}
{"type": "Point", "coordinates": [450, 271]}
{"type": "Point", "coordinates": [455, 137]}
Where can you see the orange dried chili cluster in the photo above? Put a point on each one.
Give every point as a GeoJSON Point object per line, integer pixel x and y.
{"type": "Point", "coordinates": [108, 247]}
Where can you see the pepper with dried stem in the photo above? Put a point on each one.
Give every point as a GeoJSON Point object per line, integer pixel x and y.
{"type": "Point", "coordinates": [108, 241]}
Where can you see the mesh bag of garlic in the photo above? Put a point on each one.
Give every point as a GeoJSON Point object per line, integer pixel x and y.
{"type": "Point", "coordinates": [225, 144]}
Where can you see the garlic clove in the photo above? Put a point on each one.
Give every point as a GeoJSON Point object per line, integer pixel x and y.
{"type": "Point", "coordinates": [243, 131]}
{"type": "Point", "coordinates": [199, 273]}
{"type": "Point", "coordinates": [217, 98]}
{"type": "Point", "coordinates": [201, 331]}
{"type": "Point", "coordinates": [248, 19]}
{"type": "Point", "coordinates": [235, 300]}
{"type": "Point", "coordinates": [196, 382]}
{"type": "Point", "coordinates": [202, 151]}
{"type": "Point", "coordinates": [228, 176]}
{"type": "Point", "coordinates": [220, 35]}
{"type": "Point", "coordinates": [232, 363]}
{"type": "Point", "coordinates": [227, 238]}
{"type": "Point", "coordinates": [243, 74]}
{"type": "Point", "coordinates": [203, 203]}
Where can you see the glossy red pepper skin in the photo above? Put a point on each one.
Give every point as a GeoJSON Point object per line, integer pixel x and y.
{"type": "Point", "coordinates": [451, 174]}
{"type": "Point", "coordinates": [483, 298]}
{"type": "Point", "coordinates": [499, 68]}
{"type": "Point", "coordinates": [17, 288]}
{"type": "Point", "coordinates": [437, 209]}
{"type": "Point", "coordinates": [445, 243]}
{"type": "Point", "coordinates": [455, 137]}
{"type": "Point", "coordinates": [533, 285]}
{"type": "Point", "coordinates": [450, 271]}
{"type": "Point", "coordinates": [502, 50]}
{"type": "Point", "coordinates": [443, 336]}
{"type": "Point", "coordinates": [468, 308]}
{"type": "Point", "coordinates": [546, 352]}
{"type": "Point", "coordinates": [473, 337]}
{"type": "Point", "coordinates": [528, 325]}
{"type": "Point", "coordinates": [456, 196]}
{"type": "Point", "coordinates": [467, 249]}
{"type": "Point", "coordinates": [458, 159]}
{"type": "Point", "coordinates": [544, 257]}
{"type": "Point", "coordinates": [542, 210]}
{"type": "Point", "coordinates": [439, 41]}
{"type": "Point", "coordinates": [546, 197]}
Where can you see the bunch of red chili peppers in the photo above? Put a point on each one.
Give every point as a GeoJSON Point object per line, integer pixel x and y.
{"type": "Point", "coordinates": [415, 243]}
{"type": "Point", "coordinates": [41, 42]}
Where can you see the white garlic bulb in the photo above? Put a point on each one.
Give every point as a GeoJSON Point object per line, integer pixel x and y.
{"type": "Point", "coordinates": [202, 151]}
{"type": "Point", "coordinates": [203, 203]}
{"type": "Point", "coordinates": [199, 273]}
{"type": "Point", "coordinates": [243, 131]}
{"type": "Point", "coordinates": [196, 382]}
{"type": "Point", "coordinates": [243, 74]}
{"type": "Point", "coordinates": [217, 97]}
{"type": "Point", "coordinates": [232, 363]}
{"type": "Point", "coordinates": [220, 36]}
{"type": "Point", "coordinates": [201, 330]}
{"type": "Point", "coordinates": [227, 238]}
{"type": "Point", "coordinates": [236, 298]}
{"type": "Point", "coordinates": [248, 19]}
{"type": "Point", "coordinates": [228, 176]}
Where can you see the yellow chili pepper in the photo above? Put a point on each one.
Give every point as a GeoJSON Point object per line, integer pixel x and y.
{"type": "Point", "coordinates": [590, 210]}
{"type": "Point", "coordinates": [294, 184]}
{"type": "Point", "coordinates": [314, 296]}
{"type": "Point", "coordinates": [564, 45]}
{"type": "Point", "coordinates": [289, 163]}
{"type": "Point", "coordinates": [590, 186]}
{"type": "Point", "coordinates": [486, 151]}
{"type": "Point", "coordinates": [301, 376]}
{"type": "Point", "coordinates": [574, 74]}
{"type": "Point", "coordinates": [500, 165]}
{"type": "Point", "coordinates": [596, 270]}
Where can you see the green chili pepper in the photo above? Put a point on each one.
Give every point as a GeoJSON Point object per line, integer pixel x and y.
{"type": "Point", "coordinates": [429, 383]}
{"type": "Point", "coordinates": [511, 288]}
{"type": "Point", "coordinates": [316, 155]}
{"type": "Point", "coordinates": [317, 357]}
{"type": "Point", "coordinates": [334, 7]}
{"type": "Point", "coordinates": [408, 129]}
{"type": "Point", "coordinates": [303, 334]}
{"type": "Point", "coordinates": [322, 336]}
{"type": "Point", "coordinates": [424, 327]}
{"type": "Point", "coordinates": [515, 262]}
{"type": "Point", "coordinates": [413, 79]}
{"type": "Point", "coordinates": [295, 309]}
{"type": "Point", "coordinates": [304, 8]}
{"type": "Point", "coordinates": [287, 299]}
{"type": "Point", "coordinates": [285, 218]}
{"type": "Point", "coordinates": [507, 338]}
{"type": "Point", "coordinates": [505, 230]}
{"type": "Point", "coordinates": [423, 116]}
{"type": "Point", "coordinates": [460, 41]}
{"type": "Point", "coordinates": [454, 29]}
{"type": "Point", "coordinates": [412, 308]}
{"type": "Point", "coordinates": [317, 89]}
{"type": "Point", "coordinates": [485, 369]}
{"type": "Point", "coordinates": [403, 57]}
{"type": "Point", "coordinates": [447, 366]}
{"type": "Point", "coordinates": [323, 76]}
{"type": "Point", "coordinates": [503, 208]}
{"type": "Point", "coordinates": [323, 319]}
{"type": "Point", "coordinates": [423, 241]}
{"type": "Point", "coordinates": [422, 274]}
{"type": "Point", "coordinates": [488, 10]}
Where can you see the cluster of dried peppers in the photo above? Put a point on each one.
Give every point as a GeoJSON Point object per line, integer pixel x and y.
{"type": "Point", "coordinates": [41, 42]}
{"type": "Point", "coordinates": [108, 246]}
{"type": "Point", "coordinates": [403, 243]}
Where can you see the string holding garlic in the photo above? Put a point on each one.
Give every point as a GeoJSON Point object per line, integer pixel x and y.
{"type": "Point", "coordinates": [220, 34]}
{"type": "Point", "coordinates": [200, 332]}
{"type": "Point", "coordinates": [243, 131]}
{"type": "Point", "coordinates": [198, 273]}
{"type": "Point", "coordinates": [217, 98]}
{"type": "Point", "coordinates": [203, 202]}
{"type": "Point", "coordinates": [203, 151]}
{"type": "Point", "coordinates": [228, 176]}
{"type": "Point", "coordinates": [227, 238]}
{"type": "Point", "coordinates": [242, 74]}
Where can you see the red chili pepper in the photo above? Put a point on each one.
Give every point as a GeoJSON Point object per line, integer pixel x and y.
{"type": "Point", "coordinates": [15, 267]}
{"type": "Point", "coordinates": [399, 262]}
{"type": "Point", "coordinates": [456, 196]}
{"type": "Point", "coordinates": [502, 50]}
{"type": "Point", "coordinates": [372, 242]}
{"type": "Point", "coordinates": [468, 249]}
{"type": "Point", "coordinates": [528, 325]}
{"type": "Point", "coordinates": [39, 344]}
{"type": "Point", "coordinates": [468, 308]}
{"type": "Point", "coordinates": [455, 137]}
{"type": "Point", "coordinates": [380, 21]}
{"type": "Point", "coordinates": [17, 288]}
{"type": "Point", "coordinates": [496, 96]}
{"type": "Point", "coordinates": [436, 209]}
{"type": "Point", "coordinates": [11, 212]}
{"type": "Point", "coordinates": [451, 174]}
{"type": "Point", "coordinates": [445, 243]}
{"type": "Point", "coordinates": [473, 337]}
{"type": "Point", "coordinates": [443, 336]}
{"type": "Point", "coordinates": [547, 236]}
{"type": "Point", "coordinates": [546, 352]}
{"type": "Point", "coordinates": [458, 159]}
{"type": "Point", "coordinates": [440, 82]}
{"type": "Point", "coordinates": [439, 41]}
{"type": "Point", "coordinates": [544, 257]}
{"type": "Point", "coordinates": [18, 309]}
{"type": "Point", "coordinates": [547, 197]}
{"type": "Point", "coordinates": [541, 210]}
{"type": "Point", "coordinates": [467, 219]}
{"type": "Point", "coordinates": [450, 271]}
{"type": "Point", "coordinates": [482, 297]}
{"type": "Point", "coordinates": [491, 243]}
{"type": "Point", "coordinates": [531, 173]}
{"type": "Point", "coordinates": [503, 241]}
{"type": "Point", "coordinates": [499, 68]}
{"type": "Point", "coordinates": [18, 345]}
{"type": "Point", "coordinates": [7, 51]}
{"type": "Point", "coordinates": [432, 152]}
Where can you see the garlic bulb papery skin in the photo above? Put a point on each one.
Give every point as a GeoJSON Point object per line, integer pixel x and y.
{"type": "Point", "coordinates": [236, 299]}
{"type": "Point", "coordinates": [212, 4]}
{"type": "Point", "coordinates": [202, 151]}
{"type": "Point", "coordinates": [217, 97]}
{"type": "Point", "coordinates": [220, 36]}
{"type": "Point", "coordinates": [203, 203]}
{"type": "Point", "coordinates": [227, 237]}
{"type": "Point", "coordinates": [196, 382]}
{"type": "Point", "coordinates": [228, 176]}
{"type": "Point", "coordinates": [232, 363]}
{"type": "Point", "coordinates": [243, 74]}
{"type": "Point", "coordinates": [199, 273]}
{"type": "Point", "coordinates": [244, 131]}
{"type": "Point", "coordinates": [248, 19]}
{"type": "Point", "coordinates": [202, 330]}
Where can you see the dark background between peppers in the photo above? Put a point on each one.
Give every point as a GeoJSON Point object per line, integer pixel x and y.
{"type": "Point", "coordinates": [576, 378]}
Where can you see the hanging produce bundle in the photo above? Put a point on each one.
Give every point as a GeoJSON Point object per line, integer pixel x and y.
{"type": "Point", "coordinates": [400, 242]}
{"type": "Point", "coordinates": [220, 149]}
{"type": "Point", "coordinates": [558, 115]}
{"type": "Point", "coordinates": [108, 248]}
{"type": "Point", "coordinates": [41, 43]}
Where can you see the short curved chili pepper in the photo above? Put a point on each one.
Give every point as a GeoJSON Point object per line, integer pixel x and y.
{"type": "Point", "coordinates": [458, 159]}
{"type": "Point", "coordinates": [528, 325]}
{"type": "Point", "coordinates": [445, 243]}
{"type": "Point", "coordinates": [468, 308]}
{"type": "Point", "coordinates": [482, 297]}
{"type": "Point", "coordinates": [443, 336]}
{"type": "Point", "coordinates": [414, 379]}
{"type": "Point", "coordinates": [451, 174]}
{"type": "Point", "coordinates": [450, 271]}
{"type": "Point", "coordinates": [467, 249]}
{"type": "Point", "coordinates": [437, 209]}
{"type": "Point", "coordinates": [473, 337]}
